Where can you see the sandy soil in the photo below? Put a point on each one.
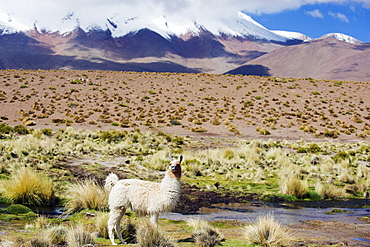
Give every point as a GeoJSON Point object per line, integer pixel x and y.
{"type": "Point", "coordinates": [199, 105]}
{"type": "Point", "coordinates": [186, 104]}
{"type": "Point", "coordinates": [330, 233]}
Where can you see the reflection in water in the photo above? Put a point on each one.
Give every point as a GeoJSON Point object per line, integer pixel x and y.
{"type": "Point", "coordinates": [288, 213]}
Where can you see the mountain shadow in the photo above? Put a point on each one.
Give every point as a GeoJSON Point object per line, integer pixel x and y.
{"type": "Point", "coordinates": [79, 64]}
{"type": "Point", "coordinates": [253, 69]}
{"type": "Point", "coordinates": [17, 50]}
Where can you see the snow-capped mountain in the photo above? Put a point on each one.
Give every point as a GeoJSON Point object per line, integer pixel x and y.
{"type": "Point", "coordinates": [342, 37]}
{"type": "Point", "coordinates": [119, 25]}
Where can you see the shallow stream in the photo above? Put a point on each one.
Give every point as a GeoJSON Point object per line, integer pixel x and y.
{"type": "Point", "coordinates": [286, 213]}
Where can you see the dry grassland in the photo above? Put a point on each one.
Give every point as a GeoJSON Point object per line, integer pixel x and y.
{"type": "Point", "coordinates": [216, 105]}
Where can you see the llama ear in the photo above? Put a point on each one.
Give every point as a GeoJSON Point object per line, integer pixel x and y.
{"type": "Point", "coordinates": [180, 158]}
{"type": "Point", "coordinates": [169, 155]}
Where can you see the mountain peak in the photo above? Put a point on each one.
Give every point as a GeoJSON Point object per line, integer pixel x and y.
{"type": "Point", "coordinates": [342, 37]}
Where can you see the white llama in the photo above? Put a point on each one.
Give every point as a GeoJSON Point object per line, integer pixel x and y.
{"type": "Point", "coordinates": [142, 197]}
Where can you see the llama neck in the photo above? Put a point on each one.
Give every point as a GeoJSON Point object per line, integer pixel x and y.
{"type": "Point", "coordinates": [170, 183]}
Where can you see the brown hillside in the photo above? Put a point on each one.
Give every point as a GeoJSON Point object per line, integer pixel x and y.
{"type": "Point", "coordinates": [327, 59]}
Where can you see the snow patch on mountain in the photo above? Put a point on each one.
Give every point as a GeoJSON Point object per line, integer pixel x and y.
{"type": "Point", "coordinates": [342, 37]}
{"type": "Point", "coordinates": [8, 25]}
{"type": "Point", "coordinates": [292, 35]}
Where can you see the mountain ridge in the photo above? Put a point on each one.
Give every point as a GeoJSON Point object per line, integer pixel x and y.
{"type": "Point", "coordinates": [245, 47]}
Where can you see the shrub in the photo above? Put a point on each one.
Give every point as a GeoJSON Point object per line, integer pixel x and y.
{"type": "Point", "coordinates": [341, 155]}
{"type": "Point", "coordinates": [314, 148]}
{"type": "Point", "coordinates": [112, 136]}
{"type": "Point", "coordinates": [47, 132]}
{"type": "Point", "coordinates": [148, 236]}
{"type": "Point", "coordinates": [204, 234]}
{"type": "Point", "coordinates": [21, 130]}
{"type": "Point", "coordinates": [86, 194]}
{"type": "Point", "coordinates": [313, 195]}
{"type": "Point", "coordinates": [25, 186]}
{"type": "Point", "coordinates": [78, 236]}
{"type": "Point", "coordinates": [175, 121]}
{"type": "Point", "coordinates": [5, 129]}
{"type": "Point", "coordinates": [294, 187]}
{"type": "Point", "coordinates": [262, 131]}
{"type": "Point", "coordinates": [331, 133]}
{"type": "Point", "coordinates": [267, 232]}
{"type": "Point", "coordinates": [199, 129]}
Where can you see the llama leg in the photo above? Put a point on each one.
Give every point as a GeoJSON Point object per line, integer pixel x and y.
{"type": "Point", "coordinates": [115, 216]}
{"type": "Point", "coordinates": [118, 226]}
{"type": "Point", "coordinates": [154, 219]}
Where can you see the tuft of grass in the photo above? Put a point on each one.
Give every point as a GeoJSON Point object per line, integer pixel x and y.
{"type": "Point", "coordinates": [102, 224]}
{"type": "Point", "coordinates": [262, 131]}
{"type": "Point", "coordinates": [78, 236]}
{"type": "Point", "coordinates": [86, 194]}
{"type": "Point", "coordinates": [204, 234]}
{"type": "Point", "coordinates": [37, 242]}
{"type": "Point", "coordinates": [26, 186]}
{"type": "Point", "coordinates": [41, 222]}
{"type": "Point", "coordinates": [266, 231]}
{"type": "Point", "coordinates": [56, 235]}
{"type": "Point", "coordinates": [294, 187]}
{"type": "Point", "coordinates": [330, 192]}
{"type": "Point", "coordinates": [198, 129]}
{"type": "Point", "coordinates": [147, 236]}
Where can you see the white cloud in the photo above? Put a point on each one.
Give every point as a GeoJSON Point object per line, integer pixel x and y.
{"type": "Point", "coordinates": [339, 16]}
{"type": "Point", "coordinates": [315, 13]}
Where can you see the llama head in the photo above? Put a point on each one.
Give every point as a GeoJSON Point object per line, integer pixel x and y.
{"type": "Point", "coordinates": [175, 167]}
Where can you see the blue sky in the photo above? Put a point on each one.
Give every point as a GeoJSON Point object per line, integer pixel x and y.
{"type": "Point", "coordinates": [315, 20]}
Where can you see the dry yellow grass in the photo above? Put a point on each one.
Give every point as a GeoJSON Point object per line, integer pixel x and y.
{"type": "Point", "coordinates": [266, 231]}
{"type": "Point", "coordinates": [86, 194]}
{"type": "Point", "coordinates": [148, 236]}
{"type": "Point", "coordinates": [204, 234]}
{"type": "Point", "coordinates": [78, 235]}
{"type": "Point", "coordinates": [26, 186]}
{"type": "Point", "coordinates": [294, 187]}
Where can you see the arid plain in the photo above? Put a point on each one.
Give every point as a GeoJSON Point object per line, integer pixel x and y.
{"type": "Point", "coordinates": [187, 104]}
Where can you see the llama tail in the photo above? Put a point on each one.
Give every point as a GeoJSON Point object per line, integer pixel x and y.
{"type": "Point", "coordinates": [110, 181]}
